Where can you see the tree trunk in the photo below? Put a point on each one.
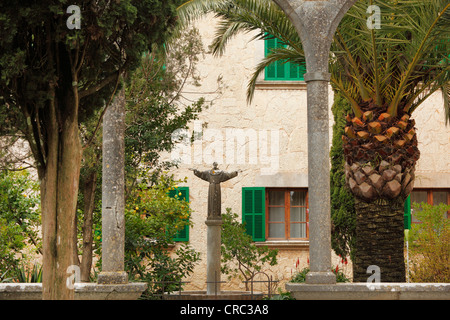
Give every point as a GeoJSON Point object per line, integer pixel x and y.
{"type": "Point", "coordinates": [380, 240]}
{"type": "Point", "coordinates": [89, 204]}
{"type": "Point", "coordinates": [59, 190]}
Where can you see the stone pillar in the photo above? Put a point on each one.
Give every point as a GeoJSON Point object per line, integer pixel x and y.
{"type": "Point", "coordinates": [316, 21]}
{"type": "Point", "coordinates": [319, 180]}
{"type": "Point", "coordinates": [213, 244]}
{"type": "Point", "coordinates": [113, 201]}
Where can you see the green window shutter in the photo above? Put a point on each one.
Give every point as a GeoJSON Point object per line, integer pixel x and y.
{"type": "Point", "coordinates": [407, 213]}
{"type": "Point", "coordinates": [254, 212]}
{"type": "Point", "coordinates": [271, 70]}
{"type": "Point", "coordinates": [182, 235]}
{"type": "Point", "coordinates": [280, 70]}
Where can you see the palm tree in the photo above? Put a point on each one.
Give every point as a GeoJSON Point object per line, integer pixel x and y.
{"type": "Point", "coordinates": [385, 74]}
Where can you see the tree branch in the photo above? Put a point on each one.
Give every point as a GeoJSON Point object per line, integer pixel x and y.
{"type": "Point", "coordinates": [99, 86]}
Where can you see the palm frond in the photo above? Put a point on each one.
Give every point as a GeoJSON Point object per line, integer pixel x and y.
{"type": "Point", "coordinates": [446, 97]}
{"type": "Point", "coordinates": [284, 54]}
{"type": "Point", "coordinates": [260, 16]}
{"type": "Point", "coordinates": [398, 65]}
{"type": "Point", "coordinates": [195, 9]}
{"type": "Point", "coordinates": [421, 48]}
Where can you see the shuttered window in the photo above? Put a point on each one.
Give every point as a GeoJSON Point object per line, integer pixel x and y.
{"type": "Point", "coordinates": [281, 71]}
{"type": "Point", "coordinates": [253, 212]}
{"type": "Point", "coordinates": [287, 214]}
{"type": "Point", "coordinates": [182, 235]}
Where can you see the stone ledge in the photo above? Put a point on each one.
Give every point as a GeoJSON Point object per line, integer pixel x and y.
{"type": "Point", "coordinates": [83, 291]}
{"type": "Point", "coordinates": [223, 295]}
{"type": "Point", "coordinates": [280, 85]}
{"type": "Point", "coordinates": [285, 244]}
{"type": "Point", "coordinates": [370, 291]}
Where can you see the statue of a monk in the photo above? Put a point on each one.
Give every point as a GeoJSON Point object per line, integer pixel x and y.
{"type": "Point", "coordinates": [214, 177]}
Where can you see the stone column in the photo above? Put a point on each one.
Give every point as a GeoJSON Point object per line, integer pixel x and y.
{"type": "Point", "coordinates": [113, 201]}
{"type": "Point", "coordinates": [319, 180]}
{"type": "Point", "coordinates": [316, 22]}
{"type": "Point", "coordinates": [213, 244]}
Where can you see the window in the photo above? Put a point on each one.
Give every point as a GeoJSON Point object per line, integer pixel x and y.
{"type": "Point", "coordinates": [182, 235]}
{"type": "Point", "coordinates": [275, 213]}
{"type": "Point", "coordinates": [430, 196]}
{"type": "Point", "coordinates": [281, 71]}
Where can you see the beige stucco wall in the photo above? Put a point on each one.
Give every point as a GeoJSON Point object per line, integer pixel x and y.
{"type": "Point", "coordinates": [433, 167]}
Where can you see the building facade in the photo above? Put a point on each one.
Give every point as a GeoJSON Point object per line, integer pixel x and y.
{"type": "Point", "coordinates": [267, 140]}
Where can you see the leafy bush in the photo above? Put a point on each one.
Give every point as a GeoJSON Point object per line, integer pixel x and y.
{"type": "Point", "coordinates": [11, 242]}
{"type": "Point", "coordinates": [300, 276]}
{"type": "Point", "coordinates": [152, 220]}
{"type": "Point", "coordinates": [430, 244]}
{"type": "Point", "coordinates": [19, 220]}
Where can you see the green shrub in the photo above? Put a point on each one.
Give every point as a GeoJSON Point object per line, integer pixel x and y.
{"type": "Point", "coordinates": [19, 220]}
{"type": "Point", "coordinates": [27, 275]}
{"type": "Point", "coordinates": [152, 219]}
{"type": "Point", "coordinates": [430, 244]}
{"type": "Point", "coordinates": [300, 276]}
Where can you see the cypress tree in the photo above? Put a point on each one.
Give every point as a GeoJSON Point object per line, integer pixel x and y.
{"type": "Point", "coordinates": [343, 214]}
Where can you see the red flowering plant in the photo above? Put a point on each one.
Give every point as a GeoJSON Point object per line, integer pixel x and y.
{"type": "Point", "coordinates": [300, 275]}
{"type": "Point", "coordinates": [340, 272]}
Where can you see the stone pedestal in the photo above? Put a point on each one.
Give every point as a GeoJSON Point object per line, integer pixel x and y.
{"type": "Point", "coordinates": [213, 245]}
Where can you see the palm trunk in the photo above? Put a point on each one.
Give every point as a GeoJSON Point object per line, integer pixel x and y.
{"type": "Point", "coordinates": [380, 240]}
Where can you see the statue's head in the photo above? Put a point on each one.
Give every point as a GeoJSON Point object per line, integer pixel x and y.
{"type": "Point", "coordinates": [215, 166]}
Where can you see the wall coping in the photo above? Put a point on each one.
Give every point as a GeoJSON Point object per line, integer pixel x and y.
{"type": "Point", "coordinates": [370, 291]}
{"type": "Point", "coordinates": [83, 291]}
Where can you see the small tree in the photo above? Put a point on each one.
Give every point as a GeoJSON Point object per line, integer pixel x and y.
{"type": "Point", "coordinates": [430, 244]}
{"type": "Point", "coordinates": [152, 220]}
{"type": "Point", "coordinates": [153, 113]}
{"type": "Point", "coordinates": [52, 78]}
{"type": "Point", "coordinates": [239, 254]}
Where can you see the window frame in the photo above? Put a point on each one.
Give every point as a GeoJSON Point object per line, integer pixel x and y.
{"type": "Point", "coordinates": [287, 214]}
{"type": "Point", "coordinates": [430, 201]}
